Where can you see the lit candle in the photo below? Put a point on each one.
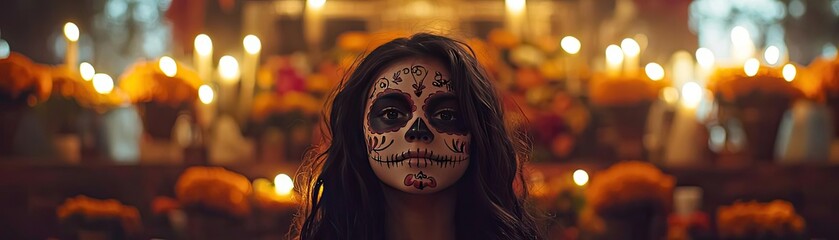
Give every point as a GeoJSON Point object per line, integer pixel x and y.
{"type": "Point", "coordinates": [283, 185]}
{"type": "Point", "coordinates": [168, 66]}
{"type": "Point", "coordinates": [250, 63]}
{"type": "Point", "coordinates": [681, 68]}
{"type": "Point", "coordinates": [631, 52]}
{"type": "Point", "coordinates": [580, 177]}
{"type": "Point", "coordinates": [102, 83]}
{"type": "Point", "coordinates": [751, 67]}
{"type": "Point", "coordinates": [313, 30]}
{"type": "Point", "coordinates": [789, 72]}
{"type": "Point", "coordinates": [87, 71]}
{"type": "Point", "coordinates": [704, 64]}
{"type": "Point", "coordinates": [684, 143]}
{"type": "Point", "coordinates": [206, 109]}
{"type": "Point", "coordinates": [742, 47]}
{"type": "Point", "coordinates": [203, 57]}
{"type": "Point", "coordinates": [71, 56]}
{"type": "Point", "coordinates": [571, 45]}
{"type": "Point", "coordinates": [614, 61]}
{"type": "Point", "coordinates": [515, 17]}
{"type": "Point", "coordinates": [654, 71]}
{"type": "Point", "coordinates": [228, 69]}
{"type": "Point", "coordinates": [772, 55]}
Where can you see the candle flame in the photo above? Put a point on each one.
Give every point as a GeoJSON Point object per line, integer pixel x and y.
{"type": "Point", "coordinates": [570, 44]}
{"type": "Point", "coordinates": [614, 54]}
{"type": "Point", "coordinates": [228, 68]}
{"type": "Point", "coordinates": [316, 4]}
{"type": "Point", "coordinates": [740, 36]}
{"type": "Point", "coordinates": [252, 44]}
{"type": "Point", "coordinates": [87, 71]}
{"type": "Point", "coordinates": [789, 72]}
{"type": "Point", "coordinates": [630, 47]}
{"type": "Point", "coordinates": [705, 57]}
{"type": "Point", "coordinates": [283, 184]}
{"type": "Point", "coordinates": [580, 177]}
{"type": "Point", "coordinates": [203, 45]}
{"type": "Point", "coordinates": [772, 54]}
{"type": "Point", "coordinates": [516, 6]}
{"type": "Point", "coordinates": [751, 66]}
{"type": "Point", "coordinates": [654, 71]}
{"type": "Point", "coordinates": [102, 83]}
{"type": "Point", "coordinates": [691, 94]}
{"type": "Point", "coordinates": [206, 94]}
{"type": "Point", "coordinates": [168, 66]}
{"type": "Point", "coordinates": [71, 31]}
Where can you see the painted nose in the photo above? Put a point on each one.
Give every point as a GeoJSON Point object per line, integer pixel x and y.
{"type": "Point", "coordinates": [419, 132]}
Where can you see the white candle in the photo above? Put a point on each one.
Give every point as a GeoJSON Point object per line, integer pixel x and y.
{"type": "Point", "coordinates": [203, 57]}
{"type": "Point", "coordinates": [614, 61]}
{"type": "Point", "coordinates": [682, 68]}
{"type": "Point", "coordinates": [515, 17]}
{"type": "Point", "coordinates": [250, 63]}
{"type": "Point", "coordinates": [684, 145]}
{"type": "Point", "coordinates": [704, 64]}
{"type": "Point", "coordinates": [71, 56]}
{"type": "Point", "coordinates": [571, 45]}
{"type": "Point", "coordinates": [207, 106]}
{"type": "Point", "coordinates": [742, 47]}
{"type": "Point", "coordinates": [313, 30]}
{"type": "Point", "coordinates": [631, 52]}
{"type": "Point", "coordinates": [228, 69]}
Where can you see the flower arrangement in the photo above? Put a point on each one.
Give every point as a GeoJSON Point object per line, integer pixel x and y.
{"type": "Point", "coordinates": [71, 85]}
{"type": "Point", "coordinates": [82, 213]}
{"type": "Point", "coordinates": [627, 184]}
{"type": "Point", "coordinates": [214, 189]}
{"type": "Point", "coordinates": [146, 82]}
{"type": "Point", "coordinates": [622, 91]}
{"type": "Point", "coordinates": [754, 220]}
{"type": "Point", "coordinates": [23, 80]}
{"type": "Point", "coordinates": [732, 84]}
{"type": "Point", "coordinates": [629, 200]}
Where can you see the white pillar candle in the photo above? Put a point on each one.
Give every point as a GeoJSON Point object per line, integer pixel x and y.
{"type": "Point", "coordinates": [71, 56]}
{"type": "Point", "coordinates": [228, 70]}
{"type": "Point", "coordinates": [632, 53]}
{"type": "Point", "coordinates": [514, 17]}
{"type": "Point", "coordinates": [203, 57]}
{"type": "Point", "coordinates": [614, 61]}
{"type": "Point", "coordinates": [250, 63]}
{"type": "Point", "coordinates": [571, 45]}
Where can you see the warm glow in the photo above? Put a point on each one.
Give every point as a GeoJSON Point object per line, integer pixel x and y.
{"type": "Point", "coordinates": [751, 66]}
{"type": "Point", "coordinates": [670, 95]}
{"type": "Point", "coordinates": [71, 31]}
{"type": "Point", "coordinates": [630, 47]}
{"type": "Point", "coordinates": [203, 45]}
{"type": "Point", "coordinates": [283, 184]}
{"type": "Point", "coordinates": [316, 4]}
{"type": "Point", "coordinates": [789, 72]}
{"type": "Point", "coordinates": [515, 6]}
{"type": "Point", "coordinates": [654, 71]}
{"type": "Point", "coordinates": [580, 177]}
{"type": "Point", "coordinates": [740, 36]}
{"type": "Point", "coordinates": [87, 71]}
{"type": "Point", "coordinates": [691, 94]}
{"type": "Point", "coordinates": [705, 57]}
{"type": "Point", "coordinates": [252, 44]}
{"type": "Point", "coordinates": [206, 94]}
{"type": "Point", "coordinates": [570, 44]}
{"type": "Point", "coordinates": [168, 66]}
{"type": "Point", "coordinates": [228, 69]}
{"type": "Point", "coordinates": [614, 54]}
{"type": "Point", "coordinates": [102, 83]}
{"type": "Point", "coordinates": [772, 55]}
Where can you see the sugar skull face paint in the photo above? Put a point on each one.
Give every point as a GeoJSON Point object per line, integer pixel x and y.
{"type": "Point", "coordinates": [417, 140]}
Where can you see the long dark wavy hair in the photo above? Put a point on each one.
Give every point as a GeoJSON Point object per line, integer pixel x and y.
{"type": "Point", "coordinates": [343, 198]}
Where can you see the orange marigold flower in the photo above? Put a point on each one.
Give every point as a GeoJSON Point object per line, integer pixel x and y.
{"type": "Point", "coordinates": [91, 209]}
{"type": "Point", "coordinates": [627, 184]}
{"type": "Point", "coordinates": [753, 219]}
{"type": "Point", "coordinates": [214, 188]}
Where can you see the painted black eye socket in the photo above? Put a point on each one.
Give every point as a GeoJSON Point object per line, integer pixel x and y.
{"type": "Point", "coordinates": [392, 114]}
{"type": "Point", "coordinates": [447, 114]}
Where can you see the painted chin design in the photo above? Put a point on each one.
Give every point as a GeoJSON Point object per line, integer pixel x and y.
{"type": "Point", "coordinates": [420, 181]}
{"type": "Point", "coordinates": [419, 158]}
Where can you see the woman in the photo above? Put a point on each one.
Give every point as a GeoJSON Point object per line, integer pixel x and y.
{"type": "Point", "coordinates": [417, 149]}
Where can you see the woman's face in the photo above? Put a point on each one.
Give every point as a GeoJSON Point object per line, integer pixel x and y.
{"type": "Point", "coordinates": [417, 140]}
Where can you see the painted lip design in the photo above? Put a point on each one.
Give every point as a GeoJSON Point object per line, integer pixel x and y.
{"type": "Point", "coordinates": [420, 181]}
{"type": "Point", "coordinates": [425, 154]}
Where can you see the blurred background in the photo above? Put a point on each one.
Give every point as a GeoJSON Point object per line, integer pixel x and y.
{"type": "Point", "coordinates": [188, 119]}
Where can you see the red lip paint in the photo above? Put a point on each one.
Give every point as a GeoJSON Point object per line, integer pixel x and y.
{"type": "Point", "coordinates": [420, 181]}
